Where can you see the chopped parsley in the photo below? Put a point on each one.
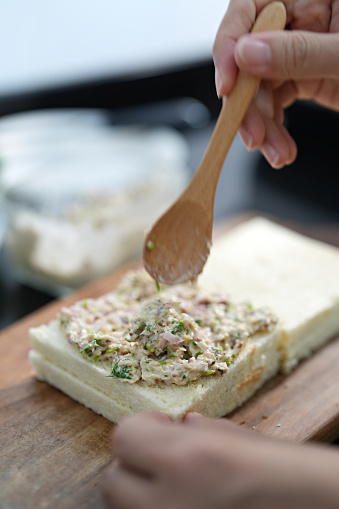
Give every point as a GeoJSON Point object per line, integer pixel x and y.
{"type": "Point", "coordinates": [141, 327]}
{"type": "Point", "coordinates": [178, 328]}
{"type": "Point", "coordinates": [94, 342]}
{"type": "Point", "coordinates": [120, 371]}
{"type": "Point", "coordinates": [150, 327]}
{"type": "Point", "coordinates": [115, 349]}
{"type": "Point", "coordinates": [150, 245]}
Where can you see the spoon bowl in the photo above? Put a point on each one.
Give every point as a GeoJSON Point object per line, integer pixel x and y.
{"type": "Point", "coordinates": [191, 244]}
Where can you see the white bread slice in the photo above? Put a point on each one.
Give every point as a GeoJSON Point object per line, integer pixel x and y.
{"type": "Point", "coordinates": [297, 277]}
{"type": "Point", "coordinates": [58, 363]}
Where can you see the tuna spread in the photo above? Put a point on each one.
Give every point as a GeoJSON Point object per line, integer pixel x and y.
{"type": "Point", "coordinates": [175, 336]}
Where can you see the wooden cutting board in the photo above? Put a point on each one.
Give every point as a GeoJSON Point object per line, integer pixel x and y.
{"type": "Point", "coordinates": [53, 450]}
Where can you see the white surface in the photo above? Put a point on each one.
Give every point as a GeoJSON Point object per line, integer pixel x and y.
{"type": "Point", "coordinates": [45, 44]}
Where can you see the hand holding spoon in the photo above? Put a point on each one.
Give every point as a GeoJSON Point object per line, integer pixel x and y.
{"type": "Point", "coordinates": [177, 246]}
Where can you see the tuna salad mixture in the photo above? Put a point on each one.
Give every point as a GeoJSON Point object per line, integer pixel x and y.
{"type": "Point", "coordinates": [175, 335]}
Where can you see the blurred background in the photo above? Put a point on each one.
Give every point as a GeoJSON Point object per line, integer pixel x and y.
{"type": "Point", "coordinates": [106, 109]}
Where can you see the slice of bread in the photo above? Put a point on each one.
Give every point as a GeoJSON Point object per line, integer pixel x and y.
{"type": "Point", "coordinates": [268, 264]}
{"type": "Point", "coordinates": [297, 277]}
{"type": "Point", "coordinates": [58, 363]}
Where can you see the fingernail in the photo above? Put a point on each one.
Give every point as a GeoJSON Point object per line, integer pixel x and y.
{"type": "Point", "coordinates": [271, 154]}
{"type": "Point", "coordinates": [218, 81]}
{"type": "Point", "coordinates": [246, 137]}
{"type": "Point", "coordinates": [253, 52]}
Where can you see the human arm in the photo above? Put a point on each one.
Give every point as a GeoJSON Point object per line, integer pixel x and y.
{"type": "Point", "coordinates": [298, 63]}
{"type": "Point", "coordinates": [203, 463]}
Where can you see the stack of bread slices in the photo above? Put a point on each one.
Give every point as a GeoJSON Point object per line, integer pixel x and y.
{"type": "Point", "coordinates": [296, 277]}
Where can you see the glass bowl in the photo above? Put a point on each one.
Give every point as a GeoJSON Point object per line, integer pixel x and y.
{"type": "Point", "coordinates": [78, 199]}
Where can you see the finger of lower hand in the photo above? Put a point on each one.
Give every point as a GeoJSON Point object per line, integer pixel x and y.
{"type": "Point", "coordinates": [125, 489]}
{"type": "Point", "coordinates": [138, 440]}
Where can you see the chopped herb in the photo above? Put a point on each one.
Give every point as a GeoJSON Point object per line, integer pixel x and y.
{"type": "Point", "coordinates": [150, 326]}
{"type": "Point", "coordinates": [198, 321]}
{"type": "Point", "coordinates": [233, 355]}
{"type": "Point", "coordinates": [150, 245]}
{"type": "Point", "coordinates": [162, 362]}
{"type": "Point", "coordinates": [84, 303]}
{"type": "Point", "coordinates": [115, 349]}
{"type": "Point", "coordinates": [94, 342]}
{"type": "Point", "coordinates": [194, 343]}
{"type": "Point", "coordinates": [178, 328]}
{"type": "Point", "coordinates": [120, 371]}
{"type": "Point", "coordinates": [209, 372]}
{"type": "Point", "coordinates": [96, 358]}
{"type": "Point", "coordinates": [141, 327]}
{"type": "Point", "coordinates": [157, 286]}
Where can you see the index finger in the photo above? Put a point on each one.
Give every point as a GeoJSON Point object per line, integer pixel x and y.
{"type": "Point", "coordinates": [238, 20]}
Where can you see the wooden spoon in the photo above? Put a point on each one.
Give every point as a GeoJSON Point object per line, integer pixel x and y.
{"type": "Point", "coordinates": [177, 246]}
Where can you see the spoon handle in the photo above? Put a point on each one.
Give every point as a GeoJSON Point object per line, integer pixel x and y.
{"type": "Point", "coordinates": [272, 17]}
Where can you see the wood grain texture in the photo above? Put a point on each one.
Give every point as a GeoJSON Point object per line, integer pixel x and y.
{"type": "Point", "coordinates": [53, 450]}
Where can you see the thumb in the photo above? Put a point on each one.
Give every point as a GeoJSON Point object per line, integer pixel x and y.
{"type": "Point", "coordinates": [291, 55]}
